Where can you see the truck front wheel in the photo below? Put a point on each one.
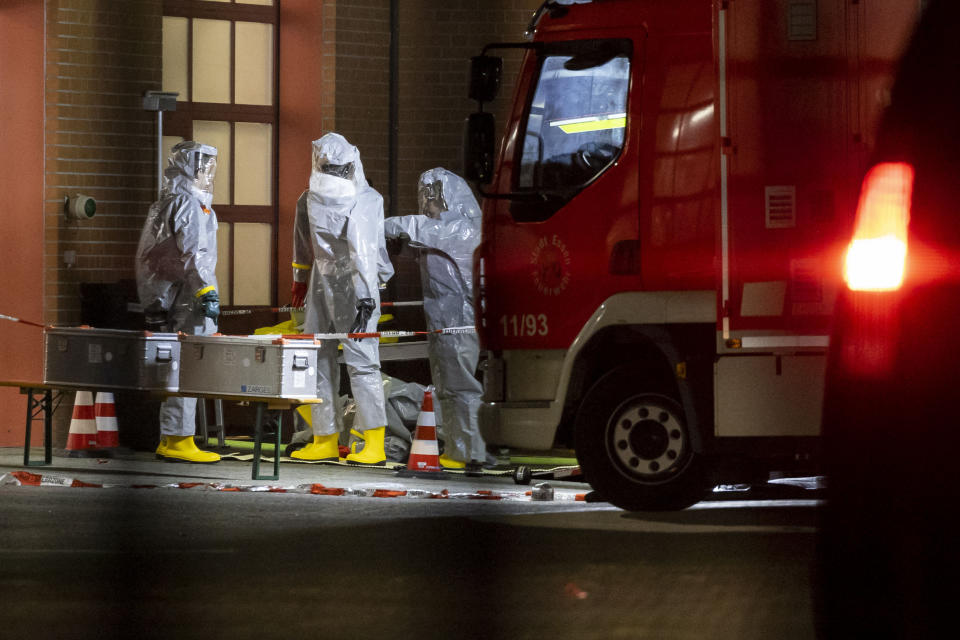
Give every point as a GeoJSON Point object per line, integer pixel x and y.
{"type": "Point", "coordinates": [634, 448]}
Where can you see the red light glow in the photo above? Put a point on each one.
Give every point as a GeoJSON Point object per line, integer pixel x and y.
{"type": "Point", "coordinates": [877, 255]}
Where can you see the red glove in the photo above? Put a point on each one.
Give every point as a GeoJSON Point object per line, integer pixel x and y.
{"type": "Point", "coordinates": [297, 294]}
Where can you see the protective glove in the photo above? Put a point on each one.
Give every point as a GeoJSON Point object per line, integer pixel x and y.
{"type": "Point", "coordinates": [210, 304]}
{"type": "Point", "coordinates": [365, 307]}
{"type": "Point", "coordinates": [298, 293]}
{"type": "Point", "coordinates": [394, 246]}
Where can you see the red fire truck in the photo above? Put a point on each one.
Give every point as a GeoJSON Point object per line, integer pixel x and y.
{"type": "Point", "coordinates": [663, 228]}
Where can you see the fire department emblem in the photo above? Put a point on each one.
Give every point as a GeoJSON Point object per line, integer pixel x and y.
{"type": "Point", "coordinates": [550, 265]}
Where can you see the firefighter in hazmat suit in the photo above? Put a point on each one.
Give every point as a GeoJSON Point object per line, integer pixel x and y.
{"type": "Point", "coordinates": [339, 258]}
{"type": "Point", "coordinates": [447, 231]}
{"type": "Point", "coordinates": [175, 265]}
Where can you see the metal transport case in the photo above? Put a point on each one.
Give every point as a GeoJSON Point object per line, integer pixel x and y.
{"type": "Point", "coordinates": [88, 358]}
{"type": "Point", "coordinates": [254, 366]}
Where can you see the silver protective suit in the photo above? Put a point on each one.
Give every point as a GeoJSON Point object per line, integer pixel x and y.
{"type": "Point", "coordinates": [447, 238]}
{"type": "Point", "coordinates": [177, 259]}
{"type": "Point", "coordinates": [338, 247]}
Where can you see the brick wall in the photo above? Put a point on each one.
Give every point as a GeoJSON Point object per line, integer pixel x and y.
{"type": "Point", "coordinates": [437, 40]}
{"type": "Point", "coordinates": [363, 81]}
{"type": "Point", "coordinates": [101, 56]}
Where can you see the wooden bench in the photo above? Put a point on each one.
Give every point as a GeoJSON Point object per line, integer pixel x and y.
{"type": "Point", "coordinates": [40, 398]}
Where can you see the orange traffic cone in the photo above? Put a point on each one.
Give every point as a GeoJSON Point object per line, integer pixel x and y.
{"type": "Point", "coordinates": [82, 439]}
{"type": "Point", "coordinates": [425, 452]}
{"type": "Point", "coordinates": [106, 413]}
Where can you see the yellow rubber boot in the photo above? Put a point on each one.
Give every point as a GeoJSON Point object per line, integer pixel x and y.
{"type": "Point", "coordinates": [356, 441]}
{"type": "Point", "coordinates": [323, 448]}
{"type": "Point", "coordinates": [306, 414]}
{"type": "Point", "coordinates": [450, 463]}
{"type": "Point", "coordinates": [162, 447]}
{"type": "Point", "coordinates": [184, 448]}
{"type": "Point", "coordinates": [372, 452]}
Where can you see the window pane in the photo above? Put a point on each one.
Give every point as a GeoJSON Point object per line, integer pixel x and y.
{"type": "Point", "coordinates": [576, 123]}
{"type": "Point", "coordinates": [211, 61]}
{"type": "Point", "coordinates": [175, 56]}
{"type": "Point", "coordinates": [224, 258]}
{"type": "Point", "coordinates": [254, 163]}
{"type": "Point", "coordinates": [254, 63]}
{"type": "Point", "coordinates": [217, 134]}
{"type": "Point", "coordinates": [252, 267]}
{"type": "Point", "coordinates": [263, 2]}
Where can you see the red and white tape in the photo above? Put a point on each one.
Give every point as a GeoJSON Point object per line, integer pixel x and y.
{"type": "Point", "coordinates": [251, 310]}
{"type": "Point", "coordinates": [27, 479]}
{"type": "Point", "coordinates": [384, 334]}
{"type": "Point", "coordinates": [20, 320]}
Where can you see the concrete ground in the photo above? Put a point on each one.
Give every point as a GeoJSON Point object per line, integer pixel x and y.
{"type": "Point", "coordinates": [173, 563]}
{"type": "Point", "coordinates": [139, 468]}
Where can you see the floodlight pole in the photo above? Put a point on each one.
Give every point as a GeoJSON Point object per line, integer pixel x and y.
{"type": "Point", "coordinates": [159, 152]}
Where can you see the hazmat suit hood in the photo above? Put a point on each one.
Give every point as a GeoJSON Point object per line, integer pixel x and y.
{"type": "Point", "coordinates": [447, 240]}
{"type": "Point", "coordinates": [454, 194]}
{"type": "Point", "coordinates": [190, 170]}
{"type": "Point", "coordinates": [339, 189]}
{"type": "Point", "coordinates": [345, 232]}
{"type": "Point", "coordinates": [177, 254]}
{"type": "Point", "coordinates": [336, 176]}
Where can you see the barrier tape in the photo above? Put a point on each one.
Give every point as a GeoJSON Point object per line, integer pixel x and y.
{"type": "Point", "coordinates": [319, 336]}
{"type": "Point", "coordinates": [369, 334]}
{"type": "Point", "coordinates": [251, 310]}
{"type": "Point", "coordinates": [27, 479]}
{"type": "Point", "coordinates": [21, 320]}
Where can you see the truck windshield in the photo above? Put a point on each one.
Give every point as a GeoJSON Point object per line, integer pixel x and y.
{"type": "Point", "coordinates": [577, 118]}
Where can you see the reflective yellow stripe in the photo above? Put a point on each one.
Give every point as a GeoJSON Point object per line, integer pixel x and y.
{"type": "Point", "coordinates": [594, 125]}
{"type": "Point", "coordinates": [300, 266]}
{"type": "Point", "coordinates": [203, 291]}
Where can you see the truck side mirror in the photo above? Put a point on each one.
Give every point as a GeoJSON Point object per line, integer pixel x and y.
{"type": "Point", "coordinates": [478, 148]}
{"type": "Point", "coordinates": [485, 74]}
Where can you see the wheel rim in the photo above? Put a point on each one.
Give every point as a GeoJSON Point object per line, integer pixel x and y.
{"type": "Point", "coordinates": [647, 440]}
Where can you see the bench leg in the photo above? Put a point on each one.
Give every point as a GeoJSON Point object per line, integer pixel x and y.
{"type": "Point", "coordinates": [202, 422]}
{"type": "Point", "coordinates": [258, 441]}
{"type": "Point", "coordinates": [43, 402]}
{"type": "Point", "coordinates": [206, 428]}
{"type": "Point", "coordinates": [218, 422]}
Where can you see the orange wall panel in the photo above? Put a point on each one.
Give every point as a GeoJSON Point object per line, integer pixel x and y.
{"type": "Point", "coordinates": [302, 93]}
{"type": "Point", "coordinates": [21, 243]}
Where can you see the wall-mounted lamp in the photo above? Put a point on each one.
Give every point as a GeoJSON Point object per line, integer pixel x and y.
{"type": "Point", "coordinates": [79, 207]}
{"type": "Point", "coordinates": [160, 101]}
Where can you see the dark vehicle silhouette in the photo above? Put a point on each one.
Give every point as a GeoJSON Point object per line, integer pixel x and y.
{"type": "Point", "coordinates": [891, 432]}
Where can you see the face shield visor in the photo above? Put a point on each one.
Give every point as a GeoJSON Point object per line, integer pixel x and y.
{"type": "Point", "coordinates": [430, 199]}
{"type": "Point", "coordinates": [321, 164]}
{"type": "Point", "coordinates": [206, 170]}
{"type": "Point", "coordinates": [344, 171]}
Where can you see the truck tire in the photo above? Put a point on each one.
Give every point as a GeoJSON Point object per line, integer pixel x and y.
{"type": "Point", "coordinates": [634, 446]}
